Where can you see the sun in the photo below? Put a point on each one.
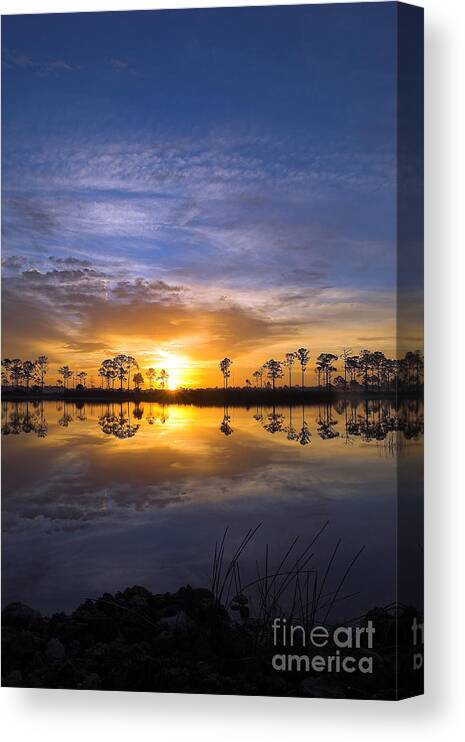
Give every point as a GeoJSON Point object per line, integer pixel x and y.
{"type": "Point", "coordinates": [173, 382]}
{"type": "Point", "coordinates": [175, 365]}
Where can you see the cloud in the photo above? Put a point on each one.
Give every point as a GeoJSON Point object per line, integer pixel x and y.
{"type": "Point", "coordinates": [118, 64]}
{"type": "Point", "coordinates": [13, 263]}
{"type": "Point", "coordinates": [42, 67]}
{"type": "Point", "coordinates": [70, 261]}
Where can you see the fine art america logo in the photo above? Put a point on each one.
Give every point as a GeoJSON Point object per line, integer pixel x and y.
{"type": "Point", "coordinates": [332, 649]}
{"type": "Point", "coordinates": [343, 649]}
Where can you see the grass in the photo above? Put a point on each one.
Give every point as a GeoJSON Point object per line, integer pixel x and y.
{"type": "Point", "coordinates": [294, 588]}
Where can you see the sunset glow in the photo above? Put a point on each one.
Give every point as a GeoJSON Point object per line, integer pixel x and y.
{"type": "Point", "coordinates": [183, 237]}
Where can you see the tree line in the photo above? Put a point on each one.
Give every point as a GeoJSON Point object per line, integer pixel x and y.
{"type": "Point", "coordinates": [115, 373]}
{"type": "Point", "coordinates": [371, 370]}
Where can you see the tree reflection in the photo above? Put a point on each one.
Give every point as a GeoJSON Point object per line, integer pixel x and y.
{"type": "Point", "coordinates": [275, 422]}
{"type": "Point", "coordinates": [304, 435]}
{"type": "Point", "coordinates": [225, 426]}
{"type": "Point", "coordinates": [370, 420]}
{"type": "Point", "coordinates": [24, 417]}
{"type": "Point", "coordinates": [292, 434]}
{"type": "Point", "coordinates": [118, 423]}
{"type": "Point", "coordinates": [326, 423]}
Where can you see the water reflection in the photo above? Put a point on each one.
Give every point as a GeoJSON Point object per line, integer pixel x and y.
{"type": "Point", "coordinates": [26, 417]}
{"type": "Point", "coordinates": [368, 420]}
{"type": "Point", "coordinates": [118, 423]}
{"type": "Point", "coordinates": [97, 497]}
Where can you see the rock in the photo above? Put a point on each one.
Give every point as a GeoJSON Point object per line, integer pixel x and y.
{"type": "Point", "coordinates": [164, 642]}
{"type": "Point", "coordinates": [91, 682]}
{"type": "Point", "coordinates": [180, 618]}
{"type": "Point", "coordinates": [241, 599]}
{"type": "Point", "coordinates": [14, 679]}
{"type": "Point", "coordinates": [20, 615]}
{"type": "Point", "coordinates": [55, 650]}
{"type": "Point", "coordinates": [138, 601]}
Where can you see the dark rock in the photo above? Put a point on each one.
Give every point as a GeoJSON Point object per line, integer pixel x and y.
{"type": "Point", "coordinates": [20, 615]}
{"type": "Point", "coordinates": [55, 650]}
{"type": "Point", "coordinates": [91, 682]}
{"type": "Point", "coordinates": [14, 679]}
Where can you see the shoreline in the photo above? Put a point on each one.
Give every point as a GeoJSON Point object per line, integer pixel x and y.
{"type": "Point", "coordinates": [188, 642]}
{"type": "Point", "coordinates": [215, 397]}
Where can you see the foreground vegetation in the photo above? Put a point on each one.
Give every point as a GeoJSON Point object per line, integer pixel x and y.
{"type": "Point", "coordinates": [212, 640]}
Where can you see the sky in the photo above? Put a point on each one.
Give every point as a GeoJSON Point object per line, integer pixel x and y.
{"type": "Point", "coordinates": [188, 185]}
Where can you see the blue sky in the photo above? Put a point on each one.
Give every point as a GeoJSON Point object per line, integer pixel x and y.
{"type": "Point", "coordinates": [199, 182]}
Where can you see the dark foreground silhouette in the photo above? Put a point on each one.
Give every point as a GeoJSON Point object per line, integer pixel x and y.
{"type": "Point", "coordinates": [186, 642]}
{"type": "Point", "coordinates": [232, 396]}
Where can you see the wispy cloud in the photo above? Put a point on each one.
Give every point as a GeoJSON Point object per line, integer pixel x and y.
{"type": "Point", "coordinates": [42, 67]}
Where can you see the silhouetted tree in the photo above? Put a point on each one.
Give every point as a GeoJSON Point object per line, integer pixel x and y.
{"type": "Point", "coordinates": [16, 371]}
{"type": "Point", "coordinates": [377, 362]}
{"type": "Point", "coordinates": [325, 367]}
{"type": "Point", "coordinates": [109, 370]}
{"type": "Point", "coordinates": [121, 366]}
{"type": "Point", "coordinates": [258, 376]}
{"type": "Point", "coordinates": [274, 370]}
{"type": "Point", "coordinates": [303, 357]}
{"type": "Point", "coordinates": [130, 363]}
{"type": "Point", "coordinates": [66, 373]}
{"type": "Point", "coordinates": [29, 372]}
{"type": "Point", "coordinates": [225, 368]}
{"type": "Point", "coordinates": [6, 365]}
{"type": "Point", "coordinates": [150, 373]}
{"type": "Point", "coordinates": [289, 362]}
{"type": "Point", "coordinates": [138, 380]}
{"type": "Point", "coordinates": [82, 375]}
{"type": "Point", "coordinates": [42, 368]}
{"type": "Point", "coordinates": [364, 363]}
{"type": "Point", "coordinates": [345, 356]}
{"type": "Point", "coordinates": [163, 377]}
{"type": "Point", "coordinates": [352, 367]}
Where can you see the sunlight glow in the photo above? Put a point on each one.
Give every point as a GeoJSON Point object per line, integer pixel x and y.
{"type": "Point", "coordinates": [177, 367]}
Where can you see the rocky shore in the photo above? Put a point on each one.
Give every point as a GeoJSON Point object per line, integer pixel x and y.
{"type": "Point", "coordinates": [180, 642]}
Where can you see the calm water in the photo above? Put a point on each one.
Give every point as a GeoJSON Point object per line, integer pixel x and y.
{"type": "Point", "coordinates": [99, 497]}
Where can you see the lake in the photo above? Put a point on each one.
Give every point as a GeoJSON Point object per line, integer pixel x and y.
{"type": "Point", "coordinates": [98, 497]}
